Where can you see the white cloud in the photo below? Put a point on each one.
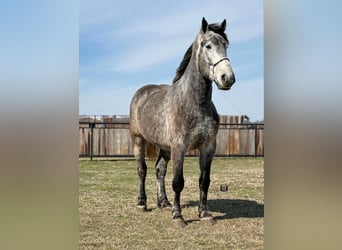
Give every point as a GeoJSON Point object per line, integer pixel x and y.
{"type": "Point", "coordinates": [152, 38]}
{"type": "Point", "coordinates": [139, 58]}
{"type": "Point", "coordinates": [103, 13]}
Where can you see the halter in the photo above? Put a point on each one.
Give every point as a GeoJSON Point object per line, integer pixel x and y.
{"type": "Point", "coordinates": [213, 65]}
{"type": "Point", "coordinates": [224, 58]}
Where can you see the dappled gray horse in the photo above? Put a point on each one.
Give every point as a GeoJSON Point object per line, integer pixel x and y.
{"type": "Point", "coordinates": [180, 117]}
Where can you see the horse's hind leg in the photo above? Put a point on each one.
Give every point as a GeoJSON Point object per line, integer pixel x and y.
{"type": "Point", "coordinates": [161, 166]}
{"type": "Point", "coordinates": [139, 153]}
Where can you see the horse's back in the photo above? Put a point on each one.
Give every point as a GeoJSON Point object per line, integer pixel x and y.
{"type": "Point", "coordinates": [147, 95]}
{"type": "Point", "coordinates": [147, 108]}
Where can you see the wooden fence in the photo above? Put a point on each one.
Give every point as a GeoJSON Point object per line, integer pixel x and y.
{"type": "Point", "coordinates": [111, 138]}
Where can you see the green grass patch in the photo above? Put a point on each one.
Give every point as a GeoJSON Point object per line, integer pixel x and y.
{"type": "Point", "coordinates": [109, 220]}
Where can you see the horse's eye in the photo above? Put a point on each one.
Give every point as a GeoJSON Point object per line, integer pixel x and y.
{"type": "Point", "coordinates": [208, 46]}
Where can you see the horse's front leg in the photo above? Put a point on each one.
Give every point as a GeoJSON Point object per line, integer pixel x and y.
{"type": "Point", "coordinates": [177, 156]}
{"type": "Point", "coordinates": [206, 156]}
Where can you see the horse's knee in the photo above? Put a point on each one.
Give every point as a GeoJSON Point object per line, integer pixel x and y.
{"type": "Point", "coordinates": [142, 172]}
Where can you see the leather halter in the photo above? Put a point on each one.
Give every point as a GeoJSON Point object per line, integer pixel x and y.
{"type": "Point", "coordinates": [213, 65]}
{"type": "Point", "coordinates": [224, 58]}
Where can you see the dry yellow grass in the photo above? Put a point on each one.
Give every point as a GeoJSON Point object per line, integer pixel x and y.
{"type": "Point", "coordinates": [109, 219]}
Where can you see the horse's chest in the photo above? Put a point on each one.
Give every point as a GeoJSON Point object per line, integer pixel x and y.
{"type": "Point", "coordinates": [191, 128]}
{"type": "Point", "coordinates": [200, 133]}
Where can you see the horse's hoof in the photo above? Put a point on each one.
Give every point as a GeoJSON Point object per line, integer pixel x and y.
{"type": "Point", "coordinates": [141, 208]}
{"type": "Point", "coordinates": [165, 207]}
{"type": "Point", "coordinates": [209, 219]}
{"type": "Point", "coordinates": [179, 222]}
{"type": "Point", "coordinates": [164, 204]}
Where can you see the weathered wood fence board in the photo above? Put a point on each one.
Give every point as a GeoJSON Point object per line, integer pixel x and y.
{"type": "Point", "coordinates": [106, 142]}
{"type": "Point", "coordinates": [111, 138]}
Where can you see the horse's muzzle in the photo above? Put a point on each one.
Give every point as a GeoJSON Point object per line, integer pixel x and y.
{"type": "Point", "coordinates": [226, 81]}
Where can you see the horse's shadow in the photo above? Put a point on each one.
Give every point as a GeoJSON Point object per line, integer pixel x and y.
{"type": "Point", "coordinates": [232, 208]}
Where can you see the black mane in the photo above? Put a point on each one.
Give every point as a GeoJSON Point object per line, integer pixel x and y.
{"type": "Point", "coordinates": [215, 27]}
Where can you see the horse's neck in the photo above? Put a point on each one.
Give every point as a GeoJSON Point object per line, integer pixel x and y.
{"type": "Point", "coordinates": [194, 86]}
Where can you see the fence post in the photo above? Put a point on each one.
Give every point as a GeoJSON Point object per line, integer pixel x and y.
{"type": "Point", "coordinates": [255, 140]}
{"type": "Point", "coordinates": [92, 125]}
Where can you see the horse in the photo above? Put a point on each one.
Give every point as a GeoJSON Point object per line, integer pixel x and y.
{"type": "Point", "coordinates": [180, 117]}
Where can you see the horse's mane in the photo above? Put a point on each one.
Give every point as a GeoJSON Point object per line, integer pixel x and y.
{"type": "Point", "coordinates": [215, 27]}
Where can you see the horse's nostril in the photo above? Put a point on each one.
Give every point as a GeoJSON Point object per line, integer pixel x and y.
{"type": "Point", "coordinates": [224, 78]}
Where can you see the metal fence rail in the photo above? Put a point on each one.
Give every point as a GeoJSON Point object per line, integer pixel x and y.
{"type": "Point", "coordinates": [112, 139]}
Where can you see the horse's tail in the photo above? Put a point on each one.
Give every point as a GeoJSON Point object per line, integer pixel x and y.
{"type": "Point", "coordinates": [152, 151]}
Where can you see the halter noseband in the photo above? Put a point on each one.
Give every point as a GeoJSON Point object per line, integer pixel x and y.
{"type": "Point", "coordinates": [224, 58]}
{"type": "Point", "coordinates": [213, 65]}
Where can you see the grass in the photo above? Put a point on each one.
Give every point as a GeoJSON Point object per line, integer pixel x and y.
{"type": "Point", "coordinates": [109, 220]}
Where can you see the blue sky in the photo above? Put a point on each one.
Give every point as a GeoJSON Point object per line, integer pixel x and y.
{"type": "Point", "coordinates": [127, 44]}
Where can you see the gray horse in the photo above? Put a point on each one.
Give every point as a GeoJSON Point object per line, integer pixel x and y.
{"type": "Point", "coordinates": [180, 117]}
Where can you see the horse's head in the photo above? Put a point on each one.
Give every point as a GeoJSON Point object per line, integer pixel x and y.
{"type": "Point", "coordinates": [212, 58]}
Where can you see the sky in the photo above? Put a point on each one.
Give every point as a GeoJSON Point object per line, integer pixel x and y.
{"type": "Point", "coordinates": [124, 45]}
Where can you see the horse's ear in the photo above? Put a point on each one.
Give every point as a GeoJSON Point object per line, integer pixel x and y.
{"type": "Point", "coordinates": [223, 24]}
{"type": "Point", "coordinates": [204, 25]}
